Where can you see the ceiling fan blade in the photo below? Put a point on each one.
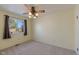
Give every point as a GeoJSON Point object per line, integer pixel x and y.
{"type": "Point", "coordinates": [25, 13]}
{"type": "Point", "coordinates": [28, 7]}
{"type": "Point", "coordinates": [41, 11]}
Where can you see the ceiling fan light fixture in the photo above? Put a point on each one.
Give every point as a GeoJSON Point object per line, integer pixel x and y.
{"type": "Point", "coordinates": [30, 13]}
{"type": "Point", "coordinates": [30, 16]}
{"type": "Point", "coordinates": [36, 14]}
{"type": "Point", "coordinates": [34, 17]}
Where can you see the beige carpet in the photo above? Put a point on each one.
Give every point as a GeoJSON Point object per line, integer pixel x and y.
{"type": "Point", "coordinates": [36, 48]}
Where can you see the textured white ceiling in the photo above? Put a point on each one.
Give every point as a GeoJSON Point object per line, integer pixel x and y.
{"type": "Point", "coordinates": [15, 8]}
{"type": "Point", "coordinates": [20, 8]}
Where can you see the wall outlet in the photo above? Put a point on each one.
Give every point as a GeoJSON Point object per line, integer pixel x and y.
{"type": "Point", "coordinates": [77, 49]}
{"type": "Point", "coordinates": [17, 44]}
{"type": "Point", "coordinates": [77, 17]}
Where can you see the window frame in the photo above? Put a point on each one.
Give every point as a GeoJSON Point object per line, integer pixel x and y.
{"type": "Point", "coordinates": [16, 33]}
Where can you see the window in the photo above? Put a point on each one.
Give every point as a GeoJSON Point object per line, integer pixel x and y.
{"type": "Point", "coordinates": [16, 26]}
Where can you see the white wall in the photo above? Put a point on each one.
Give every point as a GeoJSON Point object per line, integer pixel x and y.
{"type": "Point", "coordinates": [77, 28]}
{"type": "Point", "coordinates": [55, 28]}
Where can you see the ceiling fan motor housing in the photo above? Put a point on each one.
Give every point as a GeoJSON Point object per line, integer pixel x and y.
{"type": "Point", "coordinates": [33, 11]}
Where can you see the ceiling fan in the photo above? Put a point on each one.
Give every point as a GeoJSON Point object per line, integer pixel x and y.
{"type": "Point", "coordinates": [33, 11]}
